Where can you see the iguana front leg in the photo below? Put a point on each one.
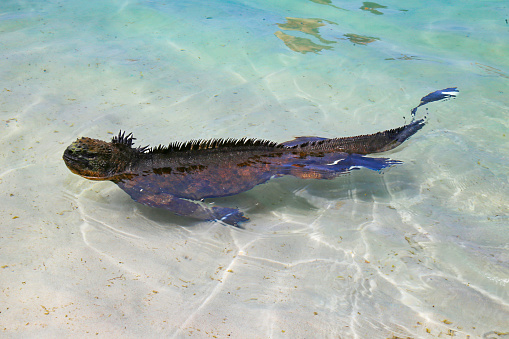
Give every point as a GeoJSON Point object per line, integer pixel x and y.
{"type": "Point", "coordinates": [191, 209]}
{"type": "Point", "coordinates": [183, 207]}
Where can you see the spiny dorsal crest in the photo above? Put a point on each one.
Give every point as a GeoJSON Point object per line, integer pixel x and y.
{"type": "Point", "coordinates": [200, 144]}
{"type": "Point", "coordinates": [128, 140]}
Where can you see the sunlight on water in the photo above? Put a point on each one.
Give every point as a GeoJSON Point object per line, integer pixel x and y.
{"type": "Point", "coordinates": [419, 250]}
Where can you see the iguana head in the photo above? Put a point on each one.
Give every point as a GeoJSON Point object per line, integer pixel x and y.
{"type": "Point", "coordinates": [100, 160]}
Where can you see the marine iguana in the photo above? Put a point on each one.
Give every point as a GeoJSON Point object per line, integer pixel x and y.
{"type": "Point", "coordinates": [179, 176]}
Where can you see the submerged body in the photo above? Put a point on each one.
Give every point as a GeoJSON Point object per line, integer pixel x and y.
{"type": "Point", "coordinates": [178, 176]}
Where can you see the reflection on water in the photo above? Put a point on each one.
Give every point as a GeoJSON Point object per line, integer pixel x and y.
{"type": "Point", "coordinates": [306, 26]}
{"type": "Point", "coordinates": [405, 57]}
{"type": "Point", "coordinates": [492, 70]}
{"type": "Point", "coordinates": [326, 2]}
{"type": "Point", "coordinates": [301, 45]}
{"type": "Point", "coordinates": [372, 7]}
{"type": "Point", "coordinates": [360, 39]}
{"type": "Point", "coordinates": [311, 27]}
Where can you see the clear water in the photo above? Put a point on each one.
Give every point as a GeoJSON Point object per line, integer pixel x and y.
{"type": "Point", "coordinates": [418, 251]}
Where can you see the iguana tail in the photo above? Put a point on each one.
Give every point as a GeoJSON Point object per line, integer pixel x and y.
{"type": "Point", "coordinates": [371, 143]}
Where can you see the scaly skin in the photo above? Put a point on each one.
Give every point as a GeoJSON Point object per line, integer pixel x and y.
{"type": "Point", "coordinates": [178, 176]}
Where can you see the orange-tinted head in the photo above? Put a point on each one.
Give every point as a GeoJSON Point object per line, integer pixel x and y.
{"type": "Point", "coordinates": [98, 160]}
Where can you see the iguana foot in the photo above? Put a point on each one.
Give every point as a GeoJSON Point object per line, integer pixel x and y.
{"type": "Point", "coordinates": [230, 216]}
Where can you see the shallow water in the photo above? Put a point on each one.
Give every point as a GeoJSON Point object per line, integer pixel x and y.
{"type": "Point", "coordinates": [420, 250]}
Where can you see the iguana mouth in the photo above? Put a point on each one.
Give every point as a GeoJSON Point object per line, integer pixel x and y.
{"type": "Point", "coordinates": [71, 159]}
{"type": "Point", "coordinates": [76, 164]}
{"type": "Point", "coordinates": [81, 161]}
{"type": "Point", "coordinates": [77, 160]}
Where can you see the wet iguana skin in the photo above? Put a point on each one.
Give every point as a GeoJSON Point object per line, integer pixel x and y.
{"type": "Point", "coordinates": [176, 177]}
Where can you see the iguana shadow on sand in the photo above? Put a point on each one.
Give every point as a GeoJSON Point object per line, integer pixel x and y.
{"type": "Point", "coordinates": [176, 177]}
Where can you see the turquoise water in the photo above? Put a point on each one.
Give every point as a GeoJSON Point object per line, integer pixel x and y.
{"type": "Point", "coordinates": [420, 250]}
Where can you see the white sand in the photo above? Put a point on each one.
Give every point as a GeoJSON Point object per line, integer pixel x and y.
{"type": "Point", "coordinates": [417, 251]}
